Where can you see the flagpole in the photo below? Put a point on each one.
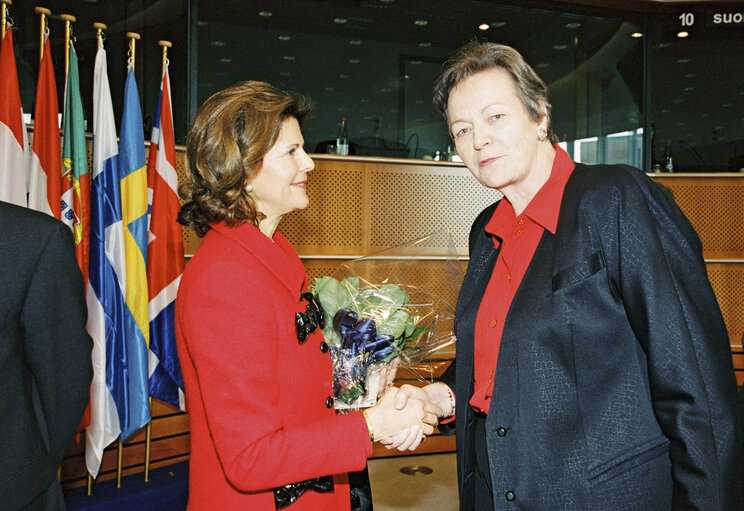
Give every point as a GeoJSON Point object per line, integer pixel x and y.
{"type": "Point", "coordinates": [148, 439]}
{"type": "Point", "coordinates": [165, 45]}
{"type": "Point", "coordinates": [119, 460]}
{"type": "Point", "coordinates": [4, 15]}
{"type": "Point", "coordinates": [69, 19]}
{"type": "Point", "coordinates": [100, 27]}
{"type": "Point", "coordinates": [44, 13]}
{"type": "Point", "coordinates": [133, 37]}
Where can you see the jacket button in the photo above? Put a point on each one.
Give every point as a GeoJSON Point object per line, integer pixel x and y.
{"type": "Point", "coordinates": [501, 431]}
{"type": "Point", "coordinates": [324, 347]}
{"type": "Point", "coordinates": [329, 402]}
{"type": "Point", "coordinates": [510, 496]}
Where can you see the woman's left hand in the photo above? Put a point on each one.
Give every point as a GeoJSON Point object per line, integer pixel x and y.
{"type": "Point", "coordinates": [387, 376]}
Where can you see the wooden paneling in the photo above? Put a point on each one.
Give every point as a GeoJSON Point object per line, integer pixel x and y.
{"type": "Point", "coordinates": [714, 204]}
{"type": "Point", "coordinates": [359, 206]}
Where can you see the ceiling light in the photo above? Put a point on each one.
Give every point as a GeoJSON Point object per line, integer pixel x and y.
{"type": "Point", "coordinates": [355, 42]}
{"type": "Point", "coordinates": [328, 89]}
{"type": "Point", "coordinates": [420, 23]}
{"type": "Point", "coordinates": [225, 60]}
{"type": "Point", "coordinates": [217, 43]}
{"type": "Point", "coordinates": [288, 57]}
{"type": "Point", "coordinates": [573, 25]}
{"type": "Point", "coordinates": [560, 47]}
{"type": "Point", "coordinates": [682, 34]}
{"type": "Point", "coordinates": [542, 64]}
{"type": "Point", "coordinates": [498, 24]}
{"type": "Point", "coordinates": [636, 35]}
{"type": "Point", "coordinates": [340, 21]}
{"type": "Point", "coordinates": [484, 26]}
{"type": "Point", "coordinates": [354, 61]}
{"type": "Point", "coordinates": [266, 14]}
{"type": "Point", "coordinates": [683, 61]}
{"type": "Point", "coordinates": [424, 45]}
{"type": "Point", "coordinates": [284, 38]}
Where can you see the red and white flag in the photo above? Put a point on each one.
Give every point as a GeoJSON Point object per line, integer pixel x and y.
{"type": "Point", "coordinates": [45, 171]}
{"type": "Point", "coordinates": [12, 128]}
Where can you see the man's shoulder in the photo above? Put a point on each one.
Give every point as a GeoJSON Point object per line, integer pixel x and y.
{"type": "Point", "coordinates": [17, 218]}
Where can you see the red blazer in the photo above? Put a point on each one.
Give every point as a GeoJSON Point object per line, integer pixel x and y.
{"type": "Point", "coordinates": [256, 397]}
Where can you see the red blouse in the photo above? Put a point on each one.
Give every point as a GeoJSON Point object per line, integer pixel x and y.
{"type": "Point", "coordinates": [518, 237]}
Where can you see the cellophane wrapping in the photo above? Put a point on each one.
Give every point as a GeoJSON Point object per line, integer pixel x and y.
{"type": "Point", "coordinates": [395, 306]}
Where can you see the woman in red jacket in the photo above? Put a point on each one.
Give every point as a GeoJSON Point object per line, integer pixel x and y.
{"type": "Point", "coordinates": [264, 434]}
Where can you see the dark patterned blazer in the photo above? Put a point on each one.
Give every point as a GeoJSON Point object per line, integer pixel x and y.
{"type": "Point", "coordinates": [614, 387]}
{"type": "Point", "coordinates": [45, 364]}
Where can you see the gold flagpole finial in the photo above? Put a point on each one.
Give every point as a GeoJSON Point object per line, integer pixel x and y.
{"type": "Point", "coordinates": [100, 27]}
{"type": "Point", "coordinates": [133, 37]}
{"type": "Point", "coordinates": [165, 45]}
{"type": "Point", "coordinates": [44, 13]}
{"type": "Point", "coordinates": [4, 16]}
{"type": "Point", "coordinates": [69, 20]}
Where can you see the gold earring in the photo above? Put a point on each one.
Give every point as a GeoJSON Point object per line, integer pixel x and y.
{"type": "Point", "coordinates": [542, 135]}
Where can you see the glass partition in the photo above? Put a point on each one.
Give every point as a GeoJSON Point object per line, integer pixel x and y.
{"type": "Point", "coordinates": [697, 93]}
{"type": "Point", "coordinates": [622, 82]}
{"type": "Point", "coordinates": [373, 62]}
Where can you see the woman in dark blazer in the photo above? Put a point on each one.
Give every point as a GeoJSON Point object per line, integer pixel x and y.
{"type": "Point", "coordinates": [264, 433]}
{"type": "Point", "coordinates": [593, 367]}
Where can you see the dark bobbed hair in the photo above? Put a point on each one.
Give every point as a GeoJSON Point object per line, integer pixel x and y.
{"type": "Point", "coordinates": [227, 141]}
{"type": "Point", "coordinates": [478, 56]}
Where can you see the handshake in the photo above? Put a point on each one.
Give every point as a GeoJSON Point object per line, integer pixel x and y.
{"type": "Point", "coordinates": [403, 417]}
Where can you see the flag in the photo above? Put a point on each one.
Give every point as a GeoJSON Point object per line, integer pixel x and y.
{"type": "Point", "coordinates": [12, 128]}
{"type": "Point", "coordinates": [75, 177]}
{"type": "Point", "coordinates": [45, 173]}
{"type": "Point", "coordinates": [106, 307]}
{"type": "Point", "coordinates": [133, 404]}
{"type": "Point", "coordinates": [165, 261]}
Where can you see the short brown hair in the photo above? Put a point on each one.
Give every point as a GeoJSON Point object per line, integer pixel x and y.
{"type": "Point", "coordinates": [228, 139]}
{"type": "Point", "coordinates": [478, 56]}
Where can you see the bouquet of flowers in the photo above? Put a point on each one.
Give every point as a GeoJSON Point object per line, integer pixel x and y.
{"type": "Point", "coordinates": [396, 306]}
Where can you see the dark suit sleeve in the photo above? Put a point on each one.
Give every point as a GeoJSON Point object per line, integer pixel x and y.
{"type": "Point", "coordinates": [659, 271]}
{"type": "Point", "coordinates": [57, 346]}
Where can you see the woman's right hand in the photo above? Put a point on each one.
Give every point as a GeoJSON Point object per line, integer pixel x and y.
{"type": "Point", "coordinates": [387, 421]}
